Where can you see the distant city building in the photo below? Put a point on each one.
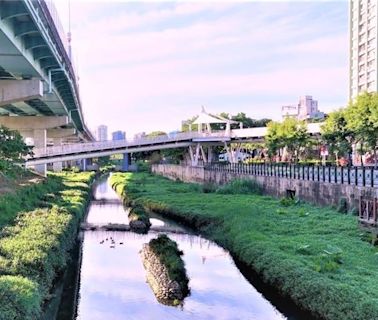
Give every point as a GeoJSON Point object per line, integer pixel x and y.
{"type": "Point", "coordinates": [306, 109]}
{"type": "Point", "coordinates": [102, 133]}
{"type": "Point", "coordinates": [139, 135]}
{"type": "Point", "coordinates": [363, 46]}
{"type": "Point", "coordinates": [118, 135]}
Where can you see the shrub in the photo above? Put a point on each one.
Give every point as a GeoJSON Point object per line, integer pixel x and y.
{"type": "Point", "coordinates": [209, 188]}
{"type": "Point", "coordinates": [137, 213]}
{"type": "Point", "coordinates": [143, 166]}
{"type": "Point", "coordinates": [329, 260]}
{"type": "Point", "coordinates": [354, 211]}
{"type": "Point", "coordinates": [240, 186]}
{"type": "Point", "coordinates": [342, 205]}
{"type": "Point", "coordinates": [287, 202]}
{"type": "Point", "coordinates": [35, 248]}
{"type": "Point", "coordinates": [20, 298]}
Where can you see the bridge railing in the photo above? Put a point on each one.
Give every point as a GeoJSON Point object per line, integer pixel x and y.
{"type": "Point", "coordinates": [147, 140]}
{"type": "Point", "coordinates": [118, 144]}
{"type": "Point", "coordinates": [357, 176]}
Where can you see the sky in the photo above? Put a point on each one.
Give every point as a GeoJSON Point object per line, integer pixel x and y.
{"type": "Point", "coordinates": [145, 66]}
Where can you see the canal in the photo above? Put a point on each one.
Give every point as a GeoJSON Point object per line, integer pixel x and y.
{"type": "Point", "coordinates": [112, 280]}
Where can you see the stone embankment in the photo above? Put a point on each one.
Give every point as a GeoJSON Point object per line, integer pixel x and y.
{"type": "Point", "coordinates": [167, 289]}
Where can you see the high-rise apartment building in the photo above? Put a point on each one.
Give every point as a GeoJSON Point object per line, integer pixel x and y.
{"type": "Point", "coordinates": [102, 133]}
{"type": "Point", "coordinates": [363, 47]}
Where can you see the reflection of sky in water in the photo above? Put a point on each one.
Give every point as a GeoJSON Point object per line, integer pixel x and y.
{"type": "Point", "coordinates": [105, 191]}
{"type": "Point", "coordinates": [113, 281]}
{"type": "Point", "coordinates": [107, 213]}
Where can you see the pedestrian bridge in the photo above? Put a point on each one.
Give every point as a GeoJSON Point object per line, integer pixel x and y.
{"type": "Point", "coordinates": [178, 140]}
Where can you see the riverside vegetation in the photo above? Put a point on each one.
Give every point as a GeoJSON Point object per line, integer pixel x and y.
{"type": "Point", "coordinates": [316, 256]}
{"type": "Point", "coordinates": [39, 226]}
{"type": "Point", "coordinates": [139, 220]}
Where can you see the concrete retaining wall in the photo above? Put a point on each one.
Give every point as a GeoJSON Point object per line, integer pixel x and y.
{"type": "Point", "coordinates": [320, 193]}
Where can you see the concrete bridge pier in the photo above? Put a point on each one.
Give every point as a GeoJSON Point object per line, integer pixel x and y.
{"type": "Point", "coordinates": [57, 166]}
{"type": "Point", "coordinates": [200, 152]}
{"type": "Point", "coordinates": [83, 164]}
{"type": "Point", "coordinates": [126, 161]}
{"type": "Point", "coordinates": [40, 138]}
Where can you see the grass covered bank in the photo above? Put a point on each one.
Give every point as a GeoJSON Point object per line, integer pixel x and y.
{"type": "Point", "coordinates": [38, 227]}
{"type": "Point", "coordinates": [316, 256]}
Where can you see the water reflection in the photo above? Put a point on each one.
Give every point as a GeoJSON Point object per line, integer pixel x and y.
{"type": "Point", "coordinates": [113, 281]}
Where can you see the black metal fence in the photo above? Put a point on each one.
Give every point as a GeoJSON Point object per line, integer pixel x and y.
{"type": "Point", "coordinates": [358, 176]}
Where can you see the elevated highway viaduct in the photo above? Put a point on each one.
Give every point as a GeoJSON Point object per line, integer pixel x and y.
{"type": "Point", "coordinates": [39, 95]}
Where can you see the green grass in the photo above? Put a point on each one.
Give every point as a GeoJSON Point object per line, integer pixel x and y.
{"type": "Point", "coordinates": [34, 243]}
{"type": "Point", "coordinates": [138, 213]}
{"type": "Point", "coordinates": [316, 256]}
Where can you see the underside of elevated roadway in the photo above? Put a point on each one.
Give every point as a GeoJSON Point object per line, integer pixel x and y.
{"type": "Point", "coordinates": [39, 95]}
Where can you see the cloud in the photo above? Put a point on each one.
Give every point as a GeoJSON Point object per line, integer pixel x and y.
{"type": "Point", "coordinates": [148, 65]}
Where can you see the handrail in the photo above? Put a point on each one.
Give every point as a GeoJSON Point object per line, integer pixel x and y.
{"type": "Point", "coordinates": [146, 140]}
{"type": "Point", "coordinates": [118, 144]}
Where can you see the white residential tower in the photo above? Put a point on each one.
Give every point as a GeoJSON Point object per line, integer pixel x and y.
{"type": "Point", "coordinates": [363, 47]}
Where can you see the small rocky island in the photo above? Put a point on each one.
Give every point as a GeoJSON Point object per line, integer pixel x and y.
{"type": "Point", "coordinates": [165, 269]}
{"type": "Point", "coordinates": [138, 220]}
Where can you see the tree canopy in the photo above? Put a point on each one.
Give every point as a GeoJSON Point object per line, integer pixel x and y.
{"type": "Point", "coordinates": [336, 134]}
{"type": "Point", "coordinates": [356, 124]}
{"type": "Point", "coordinates": [291, 134]}
{"type": "Point", "coordinates": [12, 148]}
{"type": "Point", "coordinates": [12, 145]}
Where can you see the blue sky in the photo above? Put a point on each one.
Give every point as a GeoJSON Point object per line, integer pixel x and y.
{"type": "Point", "coordinates": [147, 66]}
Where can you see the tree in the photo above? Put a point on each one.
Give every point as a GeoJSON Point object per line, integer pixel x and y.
{"type": "Point", "coordinates": [249, 122]}
{"type": "Point", "coordinates": [12, 148]}
{"type": "Point", "coordinates": [290, 134]}
{"type": "Point", "coordinates": [273, 139]}
{"type": "Point", "coordinates": [337, 135]}
{"type": "Point", "coordinates": [362, 119]}
{"type": "Point", "coordinates": [156, 133]}
{"type": "Point", "coordinates": [296, 137]}
{"type": "Point", "coordinates": [12, 145]}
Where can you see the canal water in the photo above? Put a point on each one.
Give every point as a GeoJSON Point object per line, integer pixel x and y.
{"type": "Point", "coordinates": [113, 283]}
